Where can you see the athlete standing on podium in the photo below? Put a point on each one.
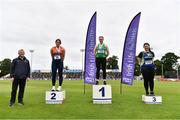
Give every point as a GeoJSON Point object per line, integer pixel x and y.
{"type": "Point", "coordinates": [145, 59]}
{"type": "Point", "coordinates": [101, 52]}
{"type": "Point", "coordinates": [57, 54]}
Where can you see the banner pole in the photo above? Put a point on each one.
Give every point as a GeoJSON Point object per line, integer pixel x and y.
{"type": "Point", "coordinates": [120, 85]}
{"type": "Point", "coordinates": [84, 86]}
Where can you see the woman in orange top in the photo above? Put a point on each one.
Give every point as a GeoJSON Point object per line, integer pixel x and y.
{"type": "Point", "coordinates": [57, 54]}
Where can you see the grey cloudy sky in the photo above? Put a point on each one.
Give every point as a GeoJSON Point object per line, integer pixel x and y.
{"type": "Point", "coordinates": [35, 24]}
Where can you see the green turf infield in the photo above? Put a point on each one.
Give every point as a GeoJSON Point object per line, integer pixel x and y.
{"type": "Point", "coordinates": [79, 105]}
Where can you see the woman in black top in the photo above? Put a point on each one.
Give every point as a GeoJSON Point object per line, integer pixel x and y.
{"type": "Point", "coordinates": [146, 58]}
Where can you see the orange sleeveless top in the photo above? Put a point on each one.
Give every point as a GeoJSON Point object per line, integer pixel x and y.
{"type": "Point", "coordinates": [58, 51]}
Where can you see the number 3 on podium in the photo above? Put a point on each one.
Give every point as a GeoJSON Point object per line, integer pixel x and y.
{"type": "Point", "coordinates": [154, 99]}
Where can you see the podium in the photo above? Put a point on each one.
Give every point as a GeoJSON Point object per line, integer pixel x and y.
{"type": "Point", "coordinates": [102, 94]}
{"type": "Point", "coordinates": [55, 97]}
{"type": "Point", "coordinates": [152, 99]}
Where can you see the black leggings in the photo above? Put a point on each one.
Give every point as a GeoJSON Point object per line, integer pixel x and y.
{"type": "Point", "coordinates": [57, 65]}
{"type": "Point", "coordinates": [148, 75]}
{"type": "Point", "coordinates": [101, 62]}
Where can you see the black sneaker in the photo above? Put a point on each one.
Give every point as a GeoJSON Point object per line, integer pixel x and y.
{"type": "Point", "coordinates": [152, 93]}
{"type": "Point", "coordinates": [147, 93]}
{"type": "Point", "coordinates": [11, 104]}
{"type": "Point", "coordinates": [104, 83]}
{"type": "Point", "coordinates": [20, 103]}
{"type": "Point", "coordinates": [97, 82]}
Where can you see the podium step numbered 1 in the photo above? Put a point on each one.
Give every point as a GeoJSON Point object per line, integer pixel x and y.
{"type": "Point", "coordinates": [55, 97]}
{"type": "Point", "coordinates": [102, 94]}
{"type": "Point", "coordinates": [152, 99]}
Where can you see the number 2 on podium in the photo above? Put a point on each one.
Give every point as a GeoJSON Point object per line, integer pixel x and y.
{"type": "Point", "coordinates": [102, 90]}
{"type": "Point", "coordinates": [53, 96]}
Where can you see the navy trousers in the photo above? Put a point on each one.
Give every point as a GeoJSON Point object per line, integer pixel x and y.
{"type": "Point", "coordinates": [57, 65]}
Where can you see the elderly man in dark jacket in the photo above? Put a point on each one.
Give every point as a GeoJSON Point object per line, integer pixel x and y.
{"type": "Point", "coordinates": [20, 71]}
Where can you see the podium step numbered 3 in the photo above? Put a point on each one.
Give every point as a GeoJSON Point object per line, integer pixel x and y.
{"type": "Point", "coordinates": [152, 99]}
{"type": "Point", "coordinates": [102, 94]}
{"type": "Point", "coordinates": [55, 97]}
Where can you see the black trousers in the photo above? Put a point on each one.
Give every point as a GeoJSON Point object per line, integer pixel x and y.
{"type": "Point", "coordinates": [148, 75]}
{"type": "Point", "coordinates": [57, 65]}
{"type": "Point", "coordinates": [101, 63]}
{"type": "Point", "coordinates": [21, 83]}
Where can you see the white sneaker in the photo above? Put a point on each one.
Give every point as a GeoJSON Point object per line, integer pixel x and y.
{"type": "Point", "coordinates": [59, 88]}
{"type": "Point", "coordinates": [53, 88]}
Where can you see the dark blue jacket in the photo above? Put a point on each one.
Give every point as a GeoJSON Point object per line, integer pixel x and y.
{"type": "Point", "coordinates": [20, 68]}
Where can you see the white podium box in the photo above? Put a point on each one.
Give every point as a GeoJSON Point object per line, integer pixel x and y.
{"type": "Point", "coordinates": [102, 94]}
{"type": "Point", "coordinates": [55, 97]}
{"type": "Point", "coordinates": [152, 99]}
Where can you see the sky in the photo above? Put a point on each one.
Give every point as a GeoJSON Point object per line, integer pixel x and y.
{"type": "Point", "coordinates": [36, 24]}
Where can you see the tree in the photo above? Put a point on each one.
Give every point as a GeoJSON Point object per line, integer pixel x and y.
{"type": "Point", "coordinates": [5, 66]}
{"type": "Point", "coordinates": [112, 62]}
{"type": "Point", "coordinates": [169, 59]}
{"type": "Point", "coordinates": [66, 68]}
{"type": "Point", "coordinates": [158, 70]}
{"type": "Point", "coordinates": [137, 71]}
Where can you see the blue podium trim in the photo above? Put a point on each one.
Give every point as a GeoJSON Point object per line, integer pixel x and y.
{"type": "Point", "coordinates": [102, 99]}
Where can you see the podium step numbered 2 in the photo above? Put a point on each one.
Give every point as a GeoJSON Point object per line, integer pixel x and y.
{"type": "Point", "coordinates": [55, 97]}
{"type": "Point", "coordinates": [102, 94]}
{"type": "Point", "coordinates": [152, 99]}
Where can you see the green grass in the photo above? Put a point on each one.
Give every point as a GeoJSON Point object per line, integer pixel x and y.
{"type": "Point", "coordinates": [79, 106]}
